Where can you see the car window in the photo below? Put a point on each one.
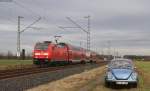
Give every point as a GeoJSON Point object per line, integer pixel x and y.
{"type": "Point", "coordinates": [120, 64]}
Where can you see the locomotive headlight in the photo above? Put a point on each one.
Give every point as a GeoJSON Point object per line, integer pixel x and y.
{"type": "Point", "coordinates": [37, 53]}
{"type": "Point", "coordinates": [45, 54]}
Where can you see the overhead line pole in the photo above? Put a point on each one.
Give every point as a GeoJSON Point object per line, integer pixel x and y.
{"type": "Point", "coordinates": [78, 26]}
{"type": "Point", "coordinates": [21, 31]}
{"type": "Point", "coordinates": [86, 31]}
{"type": "Point", "coordinates": [88, 34]}
{"type": "Point", "coordinates": [29, 26]}
{"type": "Point", "coordinates": [18, 37]}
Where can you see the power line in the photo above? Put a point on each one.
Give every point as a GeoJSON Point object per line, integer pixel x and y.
{"type": "Point", "coordinates": [29, 26]}
{"type": "Point", "coordinates": [8, 1]}
{"type": "Point", "coordinates": [21, 31]}
{"type": "Point", "coordinates": [31, 11]}
{"type": "Point", "coordinates": [28, 9]}
{"type": "Point", "coordinates": [80, 27]}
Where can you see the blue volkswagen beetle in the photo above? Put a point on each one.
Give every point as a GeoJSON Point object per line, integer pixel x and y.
{"type": "Point", "coordinates": [121, 72]}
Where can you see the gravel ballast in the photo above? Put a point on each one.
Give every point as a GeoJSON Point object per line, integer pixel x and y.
{"type": "Point", "coordinates": [30, 81]}
{"type": "Point", "coordinates": [77, 82]}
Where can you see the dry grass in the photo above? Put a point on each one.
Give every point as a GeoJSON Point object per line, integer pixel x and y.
{"type": "Point", "coordinates": [144, 72]}
{"type": "Point", "coordinates": [93, 80]}
{"type": "Point", "coordinates": [71, 83]}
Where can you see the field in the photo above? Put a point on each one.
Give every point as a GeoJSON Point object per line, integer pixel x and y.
{"type": "Point", "coordinates": [12, 64]}
{"type": "Point", "coordinates": [93, 80]}
{"type": "Point", "coordinates": [144, 72]}
{"type": "Point", "coordinates": [88, 81]}
{"type": "Point", "coordinates": [6, 62]}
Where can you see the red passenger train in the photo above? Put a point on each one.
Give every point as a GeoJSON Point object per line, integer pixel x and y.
{"type": "Point", "coordinates": [62, 53]}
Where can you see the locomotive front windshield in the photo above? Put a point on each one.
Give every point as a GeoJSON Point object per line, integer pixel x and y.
{"type": "Point", "coordinates": [41, 46]}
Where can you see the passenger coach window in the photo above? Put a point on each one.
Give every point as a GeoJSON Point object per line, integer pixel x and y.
{"type": "Point", "coordinates": [61, 46]}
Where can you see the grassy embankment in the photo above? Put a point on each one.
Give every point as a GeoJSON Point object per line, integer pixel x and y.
{"type": "Point", "coordinates": [144, 72]}
{"type": "Point", "coordinates": [12, 64]}
{"type": "Point", "coordinates": [86, 81]}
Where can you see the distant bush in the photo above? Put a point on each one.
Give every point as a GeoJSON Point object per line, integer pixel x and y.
{"type": "Point", "coordinates": [138, 58]}
{"type": "Point", "coordinates": [10, 55]}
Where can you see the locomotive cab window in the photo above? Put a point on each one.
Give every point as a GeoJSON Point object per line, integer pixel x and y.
{"type": "Point", "coordinates": [41, 46]}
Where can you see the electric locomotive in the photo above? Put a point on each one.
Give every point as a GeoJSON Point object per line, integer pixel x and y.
{"type": "Point", "coordinates": [61, 53]}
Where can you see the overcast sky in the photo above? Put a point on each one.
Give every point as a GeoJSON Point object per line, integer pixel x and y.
{"type": "Point", "coordinates": [124, 23]}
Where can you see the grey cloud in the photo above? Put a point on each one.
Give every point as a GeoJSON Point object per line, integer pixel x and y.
{"type": "Point", "coordinates": [124, 22]}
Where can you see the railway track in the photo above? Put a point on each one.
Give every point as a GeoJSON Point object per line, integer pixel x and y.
{"type": "Point", "coordinates": [21, 72]}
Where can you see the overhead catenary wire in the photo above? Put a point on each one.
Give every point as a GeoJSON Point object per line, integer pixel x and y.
{"type": "Point", "coordinates": [19, 30]}
{"type": "Point", "coordinates": [10, 8]}
{"type": "Point", "coordinates": [26, 8]}
{"type": "Point", "coordinates": [80, 27]}
{"type": "Point", "coordinates": [15, 2]}
{"type": "Point", "coordinates": [43, 17]}
{"type": "Point", "coordinates": [29, 26]}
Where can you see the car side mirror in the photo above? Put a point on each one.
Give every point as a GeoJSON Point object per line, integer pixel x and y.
{"type": "Point", "coordinates": [134, 68]}
{"type": "Point", "coordinates": [106, 66]}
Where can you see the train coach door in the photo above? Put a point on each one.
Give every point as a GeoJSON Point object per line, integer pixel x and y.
{"type": "Point", "coordinates": [64, 50]}
{"type": "Point", "coordinates": [56, 55]}
{"type": "Point", "coordinates": [61, 52]}
{"type": "Point", "coordinates": [66, 53]}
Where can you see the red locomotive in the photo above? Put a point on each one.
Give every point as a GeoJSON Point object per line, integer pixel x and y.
{"type": "Point", "coordinates": [61, 53]}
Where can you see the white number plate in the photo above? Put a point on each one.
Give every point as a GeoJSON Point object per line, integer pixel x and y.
{"type": "Point", "coordinates": [121, 82]}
